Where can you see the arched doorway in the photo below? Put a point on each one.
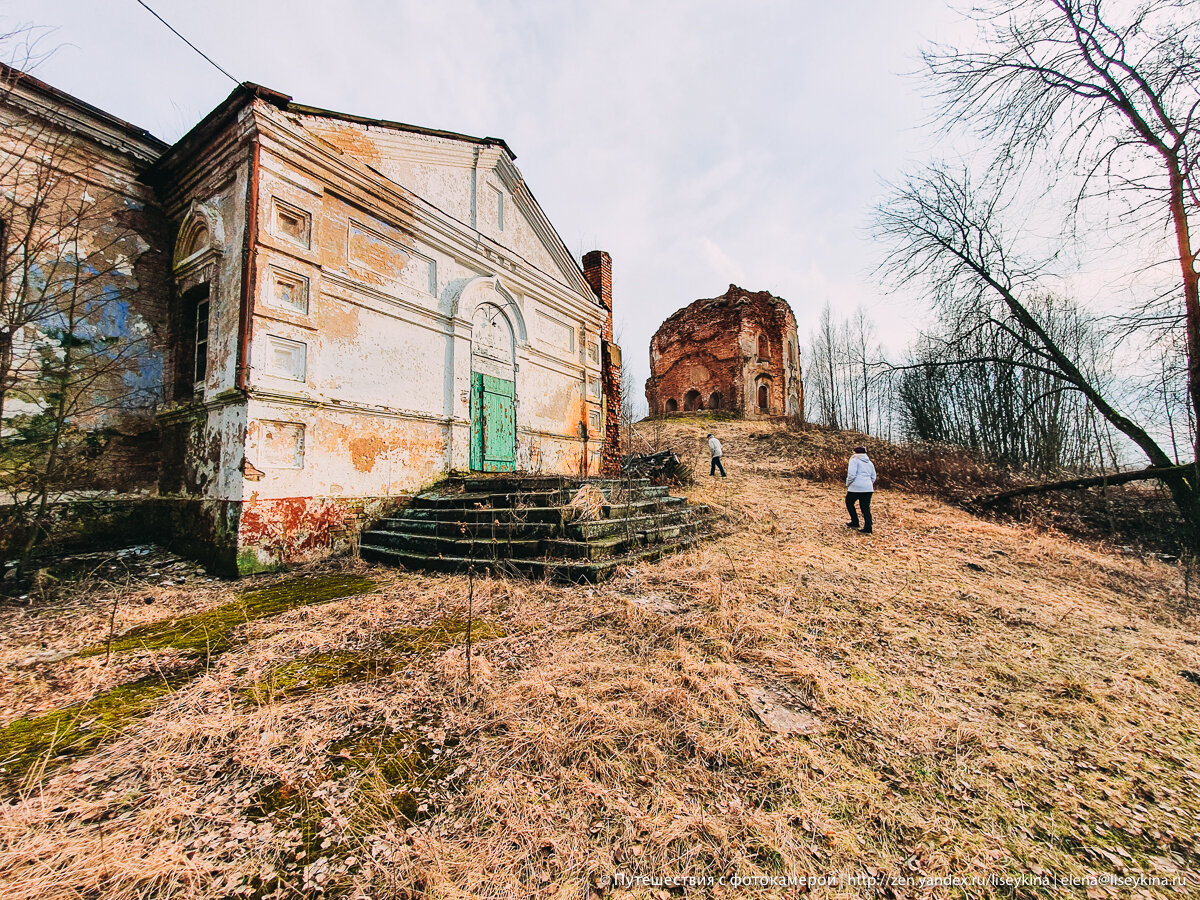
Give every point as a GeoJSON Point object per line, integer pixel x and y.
{"type": "Point", "coordinates": [714, 400]}
{"type": "Point", "coordinates": [671, 406]}
{"type": "Point", "coordinates": [691, 401]}
{"type": "Point", "coordinates": [493, 391]}
{"type": "Point", "coordinates": [763, 393]}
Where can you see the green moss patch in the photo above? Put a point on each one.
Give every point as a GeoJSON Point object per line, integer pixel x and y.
{"type": "Point", "coordinates": [328, 668]}
{"type": "Point", "coordinates": [211, 632]}
{"type": "Point", "coordinates": [399, 774]}
{"type": "Point", "coordinates": [64, 734]}
{"type": "Point", "coordinates": [56, 737]}
{"type": "Point", "coordinates": [402, 771]}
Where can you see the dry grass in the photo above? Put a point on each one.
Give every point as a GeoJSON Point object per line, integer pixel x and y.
{"type": "Point", "coordinates": [989, 699]}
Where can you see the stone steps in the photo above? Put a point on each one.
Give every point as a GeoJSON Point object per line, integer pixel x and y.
{"type": "Point", "coordinates": [527, 525]}
{"type": "Point", "coordinates": [574, 570]}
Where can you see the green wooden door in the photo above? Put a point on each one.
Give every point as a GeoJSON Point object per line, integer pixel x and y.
{"type": "Point", "coordinates": [493, 424]}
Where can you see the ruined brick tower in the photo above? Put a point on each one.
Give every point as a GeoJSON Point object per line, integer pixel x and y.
{"type": "Point", "coordinates": [737, 352]}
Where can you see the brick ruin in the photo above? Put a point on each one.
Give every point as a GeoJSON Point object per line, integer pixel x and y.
{"type": "Point", "coordinates": [737, 353]}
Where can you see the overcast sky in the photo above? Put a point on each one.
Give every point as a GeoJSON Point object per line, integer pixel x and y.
{"type": "Point", "coordinates": [700, 143]}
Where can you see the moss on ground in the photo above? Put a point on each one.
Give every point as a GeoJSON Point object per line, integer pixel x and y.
{"type": "Point", "coordinates": [47, 740]}
{"type": "Point", "coordinates": [64, 734]}
{"type": "Point", "coordinates": [398, 772]}
{"type": "Point", "coordinates": [402, 770]}
{"type": "Point", "coordinates": [211, 631]}
{"type": "Point", "coordinates": [328, 668]}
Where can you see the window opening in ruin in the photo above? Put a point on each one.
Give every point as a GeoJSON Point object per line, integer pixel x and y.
{"type": "Point", "coordinates": [791, 354]}
{"type": "Point", "coordinates": [764, 347]}
{"type": "Point", "coordinates": [201, 339]}
{"type": "Point", "coordinates": [671, 406]}
{"type": "Point", "coordinates": [714, 400]}
{"type": "Point", "coordinates": [191, 342]}
{"type": "Point", "coordinates": [691, 401]}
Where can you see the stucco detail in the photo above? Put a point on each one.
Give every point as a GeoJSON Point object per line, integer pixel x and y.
{"type": "Point", "coordinates": [314, 299]}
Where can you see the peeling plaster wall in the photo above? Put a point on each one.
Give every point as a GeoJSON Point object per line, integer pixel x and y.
{"type": "Point", "coordinates": [360, 354]}
{"type": "Point", "coordinates": [474, 183]}
{"type": "Point", "coordinates": [204, 424]}
{"type": "Point", "coordinates": [94, 215]}
{"type": "Point", "coordinates": [712, 346]}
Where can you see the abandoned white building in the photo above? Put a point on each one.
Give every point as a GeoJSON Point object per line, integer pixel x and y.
{"type": "Point", "coordinates": [353, 308]}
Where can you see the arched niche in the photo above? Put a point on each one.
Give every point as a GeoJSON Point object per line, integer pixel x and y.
{"type": "Point", "coordinates": [488, 290]}
{"type": "Point", "coordinates": [692, 402]}
{"type": "Point", "coordinates": [201, 236]}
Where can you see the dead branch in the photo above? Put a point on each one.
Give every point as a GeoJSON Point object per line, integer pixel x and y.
{"type": "Point", "coordinates": [1162, 473]}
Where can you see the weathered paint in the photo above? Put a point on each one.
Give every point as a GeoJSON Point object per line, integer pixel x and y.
{"type": "Point", "coordinates": [387, 323]}
{"type": "Point", "coordinates": [73, 205]}
{"type": "Point", "coordinates": [347, 267]}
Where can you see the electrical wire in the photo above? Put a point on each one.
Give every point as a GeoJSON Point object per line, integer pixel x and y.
{"type": "Point", "coordinates": [186, 41]}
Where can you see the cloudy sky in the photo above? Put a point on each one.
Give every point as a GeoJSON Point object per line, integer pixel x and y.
{"type": "Point", "coordinates": [700, 143]}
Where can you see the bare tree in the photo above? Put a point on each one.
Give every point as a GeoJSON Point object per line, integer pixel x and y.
{"type": "Point", "coordinates": [77, 360]}
{"type": "Point", "coordinates": [972, 384]}
{"type": "Point", "coordinates": [1103, 99]}
{"type": "Point", "coordinates": [848, 376]}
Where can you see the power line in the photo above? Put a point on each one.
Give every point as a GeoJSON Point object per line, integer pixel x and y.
{"type": "Point", "coordinates": [186, 41]}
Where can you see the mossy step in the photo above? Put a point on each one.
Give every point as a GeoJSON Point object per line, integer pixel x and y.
{"type": "Point", "coordinates": [489, 499]}
{"type": "Point", "coordinates": [643, 507]}
{"type": "Point", "coordinates": [590, 549]}
{"type": "Point", "coordinates": [480, 530]}
{"type": "Point", "coordinates": [507, 483]}
{"type": "Point", "coordinates": [552, 514]}
{"type": "Point", "coordinates": [616, 544]}
{"type": "Point", "coordinates": [471, 549]}
{"type": "Point", "coordinates": [557, 569]}
{"type": "Point", "coordinates": [596, 528]}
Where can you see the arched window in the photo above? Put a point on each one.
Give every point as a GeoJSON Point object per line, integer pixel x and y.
{"type": "Point", "coordinates": [691, 401]}
{"type": "Point", "coordinates": [791, 354]}
{"type": "Point", "coordinates": [671, 406]}
{"type": "Point", "coordinates": [714, 400]}
{"type": "Point", "coordinates": [764, 347]}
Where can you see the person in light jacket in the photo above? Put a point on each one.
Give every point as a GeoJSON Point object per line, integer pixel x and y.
{"type": "Point", "coordinates": [860, 484]}
{"type": "Point", "coordinates": [714, 447]}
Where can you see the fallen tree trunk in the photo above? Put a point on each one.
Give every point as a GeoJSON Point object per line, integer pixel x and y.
{"type": "Point", "coordinates": [1163, 473]}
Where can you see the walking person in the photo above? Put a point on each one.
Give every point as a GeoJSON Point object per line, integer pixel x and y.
{"type": "Point", "coordinates": [714, 447]}
{"type": "Point", "coordinates": [860, 485]}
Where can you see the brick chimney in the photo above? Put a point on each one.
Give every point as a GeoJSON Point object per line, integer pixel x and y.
{"type": "Point", "coordinates": [597, 269]}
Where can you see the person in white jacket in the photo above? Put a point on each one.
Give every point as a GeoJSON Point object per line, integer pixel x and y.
{"type": "Point", "coordinates": [714, 448]}
{"type": "Point", "coordinates": [860, 485]}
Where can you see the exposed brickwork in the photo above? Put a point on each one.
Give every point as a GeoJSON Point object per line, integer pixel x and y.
{"type": "Point", "coordinates": [729, 353]}
{"type": "Point", "coordinates": [597, 269]}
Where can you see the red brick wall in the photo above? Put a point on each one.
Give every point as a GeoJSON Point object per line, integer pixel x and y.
{"type": "Point", "coordinates": [712, 346]}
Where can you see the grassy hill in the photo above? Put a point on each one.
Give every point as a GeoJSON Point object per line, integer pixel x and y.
{"type": "Point", "coordinates": [950, 696]}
